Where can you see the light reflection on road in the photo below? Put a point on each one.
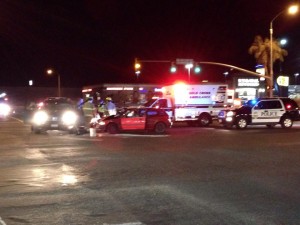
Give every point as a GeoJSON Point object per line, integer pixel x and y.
{"type": "Point", "coordinates": [67, 178]}
{"type": "Point", "coordinates": [50, 176]}
{"type": "Point", "coordinates": [44, 173]}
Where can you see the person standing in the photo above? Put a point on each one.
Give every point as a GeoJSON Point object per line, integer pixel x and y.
{"type": "Point", "coordinates": [111, 107]}
{"type": "Point", "coordinates": [101, 108]}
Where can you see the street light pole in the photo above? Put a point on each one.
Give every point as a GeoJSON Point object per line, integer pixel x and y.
{"type": "Point", "coordinates": [271, 58]}
{"type": "Point", "coordinates": [50, 72]}
{"type": "Point", "coordinates": [291, 10]}
{"type": "Point", "coordinates": [189, 66]}
{"type": "Point", "coordinates": [58, 84]}
{"type": "Point", "coordinates": [296, 76]}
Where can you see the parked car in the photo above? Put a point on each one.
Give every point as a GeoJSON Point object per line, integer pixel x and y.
{"type": "Point", "coordinates": [263, 111]}
{"type": "Point", "coordinates": [136, 119]}
{"type": "Point", "coordinates": [57, 113]}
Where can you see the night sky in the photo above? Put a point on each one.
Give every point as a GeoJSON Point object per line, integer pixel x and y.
{"type": "Point", "coordinates": [96, 41]}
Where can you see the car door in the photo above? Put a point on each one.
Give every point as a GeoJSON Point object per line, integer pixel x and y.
{"type": "Point", "coordinates": [267, 111]}
{"type": "Point", "coordinates": [133, 120]}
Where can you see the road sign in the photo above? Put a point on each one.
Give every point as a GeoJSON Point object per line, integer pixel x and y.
{"type": "Point", "coordinates": [184, 61]}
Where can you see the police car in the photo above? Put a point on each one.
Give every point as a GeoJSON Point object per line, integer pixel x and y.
{"type": "Point", "coordinates": [263, 111]}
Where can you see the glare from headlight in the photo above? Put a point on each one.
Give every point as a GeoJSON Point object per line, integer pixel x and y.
{"type": "Point", "coordinates": [69, 118]}
{"type": "Point", "coordinates": [230, 113]}
{"type": "Point", "coordinates": [40, 117]}
{"type": "Point", "coordinates": [4, 109]}
{"type": "Point", "coordinates": [229, 119]}
{"type": "Point", "coordinates": [101, 123]}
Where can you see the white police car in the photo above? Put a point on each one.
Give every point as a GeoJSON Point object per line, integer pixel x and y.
{"type": "Point", "coordinates": [263, 111]}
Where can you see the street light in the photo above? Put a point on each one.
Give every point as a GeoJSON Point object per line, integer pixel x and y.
{"type": "Point", "coordinates": [291, 10]}
{"type": "Point", "coordinates": [189, 66]}
{"type": "Point", "coordinates": [283, 42]}
{"type": "Point", "coordinates": [296, 75]}
{"type": "Point", "coordinates": [225, 75]}
{"type": "Point", "coordinates": [50, 72]}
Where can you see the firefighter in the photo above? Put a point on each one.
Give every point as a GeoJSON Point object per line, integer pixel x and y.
{"type": "Point", "coordinates": [111, 107]}
{"type": "Point", "coordinates": [88, 108]}
{"type": "Point", "coordinates": [101, 108]}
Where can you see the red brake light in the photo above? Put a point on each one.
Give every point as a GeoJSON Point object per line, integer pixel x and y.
{"type": "Point", "coordinates": [288, 106]}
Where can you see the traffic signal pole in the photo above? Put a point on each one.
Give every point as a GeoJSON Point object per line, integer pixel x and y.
{"type": "Point", "coordinates": [137, 65]}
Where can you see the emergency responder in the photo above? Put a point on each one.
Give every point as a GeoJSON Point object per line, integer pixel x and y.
{"type": "Point", "coordinates": [111, 107]}
{"type": "Point", "coordinates": [88, 108]}
{"type": "Point", "coordinates": [101, 108]}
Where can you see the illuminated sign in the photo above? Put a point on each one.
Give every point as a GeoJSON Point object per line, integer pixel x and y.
{"type": "Point", "coordinates": [283, 81]}
{"type": "Point", "coordinates": [248, 82]}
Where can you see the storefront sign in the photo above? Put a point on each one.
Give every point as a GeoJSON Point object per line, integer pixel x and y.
{"type": "Point", "coordinates": [283, 81]}
{"type": "Point", "coordinates": [248, 82]}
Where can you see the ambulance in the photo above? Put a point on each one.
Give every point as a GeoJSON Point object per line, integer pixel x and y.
{"type": "Point", "coordinates": [196, 104]}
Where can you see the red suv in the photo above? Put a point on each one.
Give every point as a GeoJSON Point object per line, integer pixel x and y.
{"type": "Point", "coordinates": [132, 119]}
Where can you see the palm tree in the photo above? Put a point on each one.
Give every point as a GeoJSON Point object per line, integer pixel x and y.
{"type": "Point", "coordinates": [261, 50]}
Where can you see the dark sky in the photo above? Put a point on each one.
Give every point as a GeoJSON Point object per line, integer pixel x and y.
{"type": "Point", "coordinates": [96, 41]}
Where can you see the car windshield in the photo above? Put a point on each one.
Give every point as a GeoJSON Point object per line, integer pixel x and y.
{"type": "Point", "coordinates": [58, 104]}
{"type": "Point", "coordinates": [149, 103]}
{"type": "Point", "coordinates": [250, 103]}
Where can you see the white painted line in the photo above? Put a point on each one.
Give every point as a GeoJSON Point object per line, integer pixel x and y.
{"type": "Point", "coordinates": [2, 222]}
{"type": "Point", "coordinates": [134, 223]}
{"type": "Point", "coordinates": [21, 121]}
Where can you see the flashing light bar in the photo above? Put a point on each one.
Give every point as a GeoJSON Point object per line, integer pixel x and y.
{"type": "Point", "coordinates": [86, 90]}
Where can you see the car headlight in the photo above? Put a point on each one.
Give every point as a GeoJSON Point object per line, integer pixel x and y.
{"type": "Point", "coordinates": [102, 123]}
{"type": "Point", "coordinates": [69, 118]}
{"type": "Point", "coordinates": [230, 114]}
{"type": "Point", "coordinates": [40, 117]}
{"type": "Point", "coordinates": [4, 109]}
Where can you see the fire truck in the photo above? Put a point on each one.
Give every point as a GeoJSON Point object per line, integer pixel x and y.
{"type": "Point", "coordinates": [196, 104]}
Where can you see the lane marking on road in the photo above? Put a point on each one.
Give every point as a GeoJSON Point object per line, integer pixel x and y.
{"type": "Point", "coordinates": [19, 120]}
{"type": "Point", "coordinates": [2, 222]}
{"type": "Point", "coordinates": [133, 223]}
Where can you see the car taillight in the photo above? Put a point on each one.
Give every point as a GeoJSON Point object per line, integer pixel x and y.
{"type": "Point", "coordinates": [288, 106]}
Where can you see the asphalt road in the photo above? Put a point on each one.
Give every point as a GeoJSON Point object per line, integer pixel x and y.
{"type": "Point", "coordinates": [209, 176]}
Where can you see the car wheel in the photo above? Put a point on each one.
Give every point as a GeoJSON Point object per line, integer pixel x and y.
{"type": "Point", "coordinates": [35, 130]}
{"type": "Point", "coordinates": [241, 123]}
{"type": "Point", "coordinates": [75, 131]}
{"type": "Point", "coordinates": [112, 128]}
{"type": "Point", "coordinates": [204, 120]}
{"type": "Point", "coordinates": [286, 122]}
{"type": "Point", "coordinates": [160, 128]}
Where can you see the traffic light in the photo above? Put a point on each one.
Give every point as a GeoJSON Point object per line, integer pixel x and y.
{"type": "Point", "coordinates": [137, 67]}
{"type": "Point", "coordinates": [173, 68]}
{"type": "Point", "coordinates": [197, 69]}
